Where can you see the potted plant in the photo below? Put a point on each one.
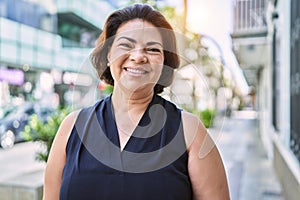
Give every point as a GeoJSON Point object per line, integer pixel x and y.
{"type": "Point", "coordinates": [44, 131]}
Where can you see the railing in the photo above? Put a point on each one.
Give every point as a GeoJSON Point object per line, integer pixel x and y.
{"type": "Point", "coordinates": [250, 17]}
{"type": "Point", "coordinates": [24, 45]}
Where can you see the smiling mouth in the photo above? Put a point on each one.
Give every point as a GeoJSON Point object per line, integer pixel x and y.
{"type": "Point", "coordinates": [135, 71]}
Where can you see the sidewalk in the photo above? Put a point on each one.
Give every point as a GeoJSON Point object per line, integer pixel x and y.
{"type": "Point", "coordinates": [250, 173]}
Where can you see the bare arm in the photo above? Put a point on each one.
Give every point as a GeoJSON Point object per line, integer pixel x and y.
{"type": "Point", "coordinates": [205, 165]}
{"type": "Point", "coordinates": [57, 158]}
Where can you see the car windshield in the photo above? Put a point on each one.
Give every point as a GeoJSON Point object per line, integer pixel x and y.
{"type": "Point", "coordinates": [19, 110]}
{"type": "Point", "coordinates": [5, 111]}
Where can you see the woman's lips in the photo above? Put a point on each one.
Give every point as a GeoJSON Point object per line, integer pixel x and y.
{"type": "Point", "coordinates": [135, 71]}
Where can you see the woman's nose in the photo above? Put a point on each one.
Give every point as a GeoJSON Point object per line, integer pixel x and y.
{"type": "Point", "coordinates": [138, 56]}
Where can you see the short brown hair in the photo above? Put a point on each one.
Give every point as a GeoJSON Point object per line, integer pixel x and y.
{"type": "Point", "coordinates": [115, 20]}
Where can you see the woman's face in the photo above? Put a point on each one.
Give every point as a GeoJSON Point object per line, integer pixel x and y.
{"type": "Point", "coordinates": [136, 56]}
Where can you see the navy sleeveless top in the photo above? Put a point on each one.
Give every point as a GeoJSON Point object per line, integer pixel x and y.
{"type": "Point", "coordinates": [152, 166]}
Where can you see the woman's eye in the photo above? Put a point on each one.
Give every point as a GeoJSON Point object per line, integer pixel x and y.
{"type": "Point", "coordinates": [153, 50]}
{"type": "Point", "coordinates": [125, 45]}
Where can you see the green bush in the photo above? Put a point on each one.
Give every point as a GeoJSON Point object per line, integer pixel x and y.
{"type": "Point", "coordinates": [44, 132]}
{"type": "Point", "coordinates": [207, 117]}
{"type": "Point", "coordinates": [108, 89]}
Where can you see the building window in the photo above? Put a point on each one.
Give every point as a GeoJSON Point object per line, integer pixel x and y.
{"type": "Point", "coordinates": [275, 81]}
{"type": "Point", "coordinates": [295, 78]}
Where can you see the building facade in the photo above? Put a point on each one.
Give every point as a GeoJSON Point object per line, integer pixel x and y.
{"type": "Point", "coordinates": [286, 94]}
{"type": "Point", "coordinates": [277, 82]}
{"type": "Point", "coordinates": [44, 47]}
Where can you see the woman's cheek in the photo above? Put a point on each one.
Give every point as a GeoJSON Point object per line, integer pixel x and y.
{"type": "Point", "coordinates": [158, 71]}
{"type": "Point", "coordinates": [118, 56]}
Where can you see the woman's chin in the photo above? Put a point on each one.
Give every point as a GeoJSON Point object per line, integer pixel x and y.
{"type": "Point", "coordinates": [136, 87]}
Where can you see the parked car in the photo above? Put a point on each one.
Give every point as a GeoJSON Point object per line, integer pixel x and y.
{"type": "Point", "coordinates": [5, 110]}
{"type": "Point", "coordinates": [14, 123]}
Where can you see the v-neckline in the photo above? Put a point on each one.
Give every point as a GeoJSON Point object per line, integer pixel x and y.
{"type": "Point", "coordinates": [116, 136]}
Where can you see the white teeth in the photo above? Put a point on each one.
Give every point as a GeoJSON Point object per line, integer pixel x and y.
{"type": "Point", "coordinates": [135, 71]}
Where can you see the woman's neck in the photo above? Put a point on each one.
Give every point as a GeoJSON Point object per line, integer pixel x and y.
{"type": "Point", "coordinates": [128, 110]}
{"type": "Point", "coordinates": [131, 101]}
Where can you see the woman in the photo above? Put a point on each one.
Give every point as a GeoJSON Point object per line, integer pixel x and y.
{"type": "Point", "coordinates": [134, 144]}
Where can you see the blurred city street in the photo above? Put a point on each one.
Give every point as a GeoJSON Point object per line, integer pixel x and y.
{"type": "Point", "coordinates": [239, 63]}
{"type": "Point", "coordinates": [250, 172]}
{"type": "Point", "coordinates": [21, 176]}
{"type": "Point", "coordinates": [19, 160]}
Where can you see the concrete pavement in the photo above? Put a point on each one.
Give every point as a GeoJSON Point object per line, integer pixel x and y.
{"type": "Point", "coordinates": [250, 173]}
{"type": "Point", "coordinates": [21, 176]}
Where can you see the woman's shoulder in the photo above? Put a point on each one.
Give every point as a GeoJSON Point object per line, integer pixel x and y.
{"type": "Point", "coordinates": [192, 126]}
{"type": "Point", "coordinates": [167, 103]}
{"type": "Point", "coordinates": [71, 118]}
{"type": "Point", "coordinates": [190, 117]}
{"type": "Point", "coordinates": [68, 123]}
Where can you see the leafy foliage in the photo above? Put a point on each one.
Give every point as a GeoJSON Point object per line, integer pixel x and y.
{"type": "Point", "coordinates": [108, 89]}
{"type": "Point", "coordinates": [207, 116]}
{"type": "Point", "coordinates": [44, 131]}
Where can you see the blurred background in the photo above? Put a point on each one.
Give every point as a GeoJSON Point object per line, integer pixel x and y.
{"type": "Point", "coordinates": [240, 73]}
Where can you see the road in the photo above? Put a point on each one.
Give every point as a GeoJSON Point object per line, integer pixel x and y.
{"type": "Point", "coordinates": [19, 160]}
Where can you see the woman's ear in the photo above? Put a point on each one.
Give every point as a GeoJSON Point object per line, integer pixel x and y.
{"type": "Point", "coordinates": [108, 58]}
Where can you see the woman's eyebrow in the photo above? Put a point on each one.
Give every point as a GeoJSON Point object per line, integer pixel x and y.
{"type": "Point", "coordinates": [134, 41]}
{"type": "Point", "coordinates": [154, 43]}
{"type": "Point", "coordinates": [127, 38]}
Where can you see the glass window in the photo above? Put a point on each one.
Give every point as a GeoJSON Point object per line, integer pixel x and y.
{"type": "Point", "coordinates": [28, 35]}
{"type": "Point", "coordinates": [295, 79]}
{"type": "Point", "coordinates": [44, 58]}
{"type": "Point", "coordinates": [61, 59]}
{"type": "Point", "coordinates": [27, 55]}
{"type": "Point", "coordinates": [8, 52]}
{"type": "Point", "coordinates": [3, 11]}
{"type": "Point", "coordinates": [8, 30]}
{"type": "Point", "coordinates": [45, 40]}
{"type": "Point", "coordinates": [57, 42]}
